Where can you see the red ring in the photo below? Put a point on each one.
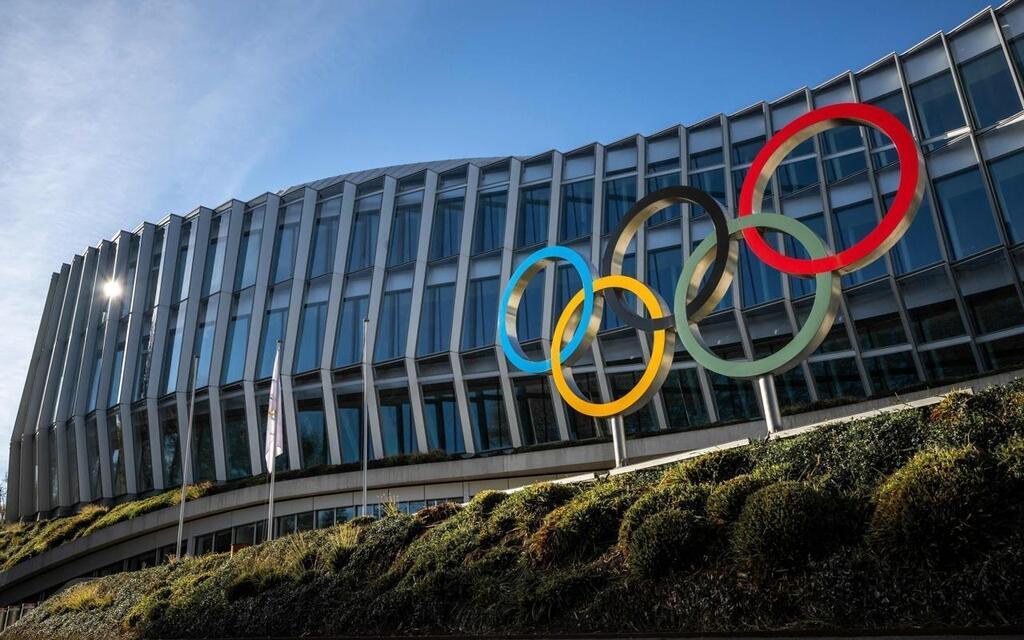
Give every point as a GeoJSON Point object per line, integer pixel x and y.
{"type": "Point", "coordinates": [908, 194]}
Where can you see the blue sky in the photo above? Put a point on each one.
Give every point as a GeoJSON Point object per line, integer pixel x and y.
{"type": "Point", "coordinates": [115, 112]}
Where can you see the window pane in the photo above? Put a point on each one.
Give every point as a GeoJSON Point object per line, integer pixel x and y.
{"type": "Point", "coordinates": [989, 88]}
{"type": "Point", "coordinates": [393, 326]}
{"type": "Point", "coordinates": [436, 323]}
{"type": "Point", "coordinates": [444, 237]}
{"type": "Point", "coordinates": [214, 267]}
{"type": "Point", "coordinates": [610, 319]}
{"type": "Point", "coordinates": [396, 428]}
{"type": "Point", "coordinates": [481, 318]}
{"type": "Point", "coordinates": [325, 238]}
{"type": "Point", "coordinates": [1003, 354]}
{"type": "Point", "coordinates": [577, 208]}
{"type": "Point", "coordinates": [169, 446]}
{"type": "Point", "coordinates": [285, 242]}
{"type": "Point", "coordinates": [641, 421]}
{"type": "Point", "coordinates": [931, 307]}
{"type": "Point", "coordinates": [444, 431]}
{"type": "Point", "coordinates": [487, 415]}
{"type": "Point", "coordinates": [71, 441]}
{"type": "Point", "coordinates": [668, 213]}
{"type": "Point", "coordinates": [890, 373]}
{"type": "Point", "coordinates": [712, 183]}
{"type": "Point", "coordinates": [894, 104]}
{"type": "Point", "coordinates": [237, 337]}
{"type": "Point", "coordinates": [236, 439]}
{"type": "Point", "coordinates": [274, 322]}
{"type": "Point", "coordinates": [938, 109]}
{"type": "Point", "coordinates": [804, 286]}
{"type": "Point", "coordinates": [744, 152]}
{"type": "Point", "coordinates": [536, 413]}
{"type": "Point", "coordinates": [583, 427]}
{"type": "Point", "coordinates": [115, 439]}
{"type": "Point", "coordinates": [709, 158]}
{"type": "Point", "coordinates": [684, 404]}
{"type": "Point", "coordinates": [201, 457]}
{"type": "Point", "coordinates": [351, 418]}
{"type": "Point", "coordinates": [837, 379]}
{"type": "Point", "coordinates": [531, 307]}
{"type": "Point", "coordinates": [532, 225]}
{"type": "Point", "coordinates": [876, 318]}
{"type": "Point", "coordinates": [852, 224]}
{"type": "Point", "coordinates": [405, 229]}
{"type": "Point", "coordinates": [966, 213]}
{"type": "Point", "coordinates": [919, 246]}
{"type": "Point", "coordinates": [172, 350]}
{"type": "Point", "coordinates": [663, 269]}
{"type": "Point", "coordinates": [951, 363]}
{"type": "Point", "coordinates": [143, 459]}
{"type": "Point", "coordinates": [203, 346]}
{"type": "Point", "coordinates": [311, 336]}
{"type": "Point", "coordinates": [1008, 177]}
{"type": "Point", "coordinates": [489, 228]}
{"type": "Point", "coordinates": [348, 345]}
{"type": "Point", "coordinates": [363, 243]}
{"type": "Point", "coordinates": [758, 282]}
{"type": "Point", "coordinates": [619, 196]}
{"type": "Point", "coordinates": [989, 294]}
{"type": "Point", "coordinates": [312, 432]}
{"type": "Point", "coordinates": [797, 176]}
{"type": "Point", "coordinates": [249, 248]}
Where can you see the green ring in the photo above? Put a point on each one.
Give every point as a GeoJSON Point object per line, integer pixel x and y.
{"type": "Point", "coordinates": [807, 339]}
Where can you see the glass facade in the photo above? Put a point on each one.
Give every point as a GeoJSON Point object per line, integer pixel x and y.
{"type": "Point", "coordinates": [944, 304]}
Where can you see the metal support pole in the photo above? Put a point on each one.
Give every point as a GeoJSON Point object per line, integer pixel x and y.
{"type": "Point", "coordinates": [366, 413]}
{"type": "Point", "coordinates": [186, 457]}
{"type": "Point", "coordinates": [618, 426]}
{"type": "Point", "coordinates": [769, 403]}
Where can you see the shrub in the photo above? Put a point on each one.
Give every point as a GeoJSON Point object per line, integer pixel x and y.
{"type": "Point", "coordinates": [82, 597]}
{"type": "Point", "coordinates": [53, 533]}
{"type": "Point", "coordinates": [524, 511]}
{"type": "Point", "coordinates": [985, 419]}
{"type": "Point", "coordinates": [784, 524]}
{"type": "Point", "coordinates": [1010, 459]}
{"type": "Point", "coordinates": [727, 499]}
{"type": "Point", "coordinates": [380, 544]}
{"type": "Point", "coordinates": [934, 507]}
{"type": "Point", "coordinates": [586, 525]}
{"type": "Point", "coordinates": [689, 497]}
{"type": "Point", "coordinates": [712, 467]}
{"type": "Point", "coordinates": [669, 540]}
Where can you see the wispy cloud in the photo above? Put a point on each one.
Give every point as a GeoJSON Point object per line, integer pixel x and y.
{"type": "Point", "coordinates": [114, 113]}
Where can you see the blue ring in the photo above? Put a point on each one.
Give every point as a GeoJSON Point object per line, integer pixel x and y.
{"type": "Point", "coordinates": [547, 254]}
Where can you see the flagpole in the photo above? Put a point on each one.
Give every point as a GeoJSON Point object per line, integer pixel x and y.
{"type": "Point", "coordinates": [277, 425]}
{"type": "Point", "coordinates": [187, 458]}
{"type": "Point", "coordinates": [366, 406]}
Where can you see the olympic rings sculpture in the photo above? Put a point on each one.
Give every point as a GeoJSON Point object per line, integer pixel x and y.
{"type": "Point", "coordinates": [708, 271]}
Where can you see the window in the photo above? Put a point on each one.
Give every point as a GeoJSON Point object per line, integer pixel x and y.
{"type": "Point", "coordinates": [797, 176]}
{"type": "Point", "coordinates": [684, 404]}
{"type": "Point", "coordinates": [487, 415]}
{"type": "Point", "coordinates": [183, 264]}
{"type": "Point", "coordinates": [989, 293]}
{"type": "Point", "coordinates": [436, 323]}
{"type": "Point", "coordinates": [309, 413]}
{"type": "Point", "coordinates": [312, 327]}
{"type": "Point", "coordinates": [876, 319]}
{"type": "Point", "coordinates": [275, 319]}
{"type": "Point", "coordinates": [663, 269]}
{"type": "Point", "coordinates": [325, 238]}
{"type": "Point", "coordinates": [836, 379]}
{"type": "Point", "coordinates": [396, 429]}
{"type": "Point", "coordinates": [143, 459]}
{"type": "Point", "coordinates": [804, 286]}
{"type": "Point", "coordinates": [203, 345]}
{"type": "Point", "coordinates": [405, 229]}
{"type": "Point", "coordinates": [115, 440]}
{"type": "Point", "coordinates": [444, 236]}
{"type": "Point", "coordinates": [663, 153]}
{"type": "Point", "coordinates": [114, 394]}
{"type": "Point", "coordinates": [362, 246]}
{"type": "Point", "coordinates": [712, 183]}
{"type": "Point", "coordinates": [704, 159]}
{"type": "Point", "coordinates": [744, 152]}
{"type": "Point", "coordinates": [619, 196]}
{"type": "Point", "coordinates": [350, 427]}
{"type": "Point", "coordinates": [883, 150]}
{"type": "Point", "coordinates": [489, 227]}
{"type": "Point", "coordinates": [215, 255]}
{"type": "Point", "coordinates": [966, 212]}
{"type": "Point", "coordinates": [567, 283]}
{"type": "Point", "coordinates": [931, 308]}
{"type": "Point", "coordinates": [92, 457]}
{"type": "Point", "coordinates": [892, 372]}
{"type": "Point", "coordinates": [673, 212]}
{"type": "Point", "coordinates": [283, 264]}
{"type": "Point", "coordinates": [734, 398]}
{"type": "Point", "coordinates": [577, 208]}
{"type": "Point", "coordinates": [919, 246]}
{"type": "Point", "coordinates": [950, 363]}
{"type": "Point", "coordinates": [938, 109]}
{"type": "Point", "coordinates": [532, 225]}
{"type": "Point", "coordinates": [393, 326]}
{"type": "Point", "coordinates": [531, 307]}
{"type": "Point", "coordinates": [583, 427]}
{"type": "Point", "coordinates": [170, 453]}
{"type": "Point", "coordinates": [536, 413]}
{"type": "Point", "coordinates": [759, 282]}
{"type": "Point", "coordinates": [1008, 178]}
{"type": "Point", "coordinates": [203, 468]}
{"type": "Point", "coordinates": [145, 360]}
{"type": "Point", "coordinates": [172, 350]}
{"type": "Point", "coordinates": [236, 439]}
{"type": "Point", "coordinates": [70, 441]}
{"type": "Point", "coordinates": [481, 319]}
{"type": "Point", "coordinates": [1004, 353]}
{"type": "Point", "coordinates": [989, 88]}
{"type": "Point", "coordinates": [610, 320]}
{"type": "Point", "coordinates": [237, 337]}
{"type": "Point", "coordinates": [348, 344]}
{"type": "Point", "coordinates": [249, 248]}
{"type": "Point", "coordinates": [852, 224]}
{"type": "Point", "coordinates": [444, 431]}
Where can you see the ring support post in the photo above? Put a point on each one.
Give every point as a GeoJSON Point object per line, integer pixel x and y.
{"type": "Point", "coordinates": [769, 403]}
{"type": "Point", "coordinates": [618, 426]}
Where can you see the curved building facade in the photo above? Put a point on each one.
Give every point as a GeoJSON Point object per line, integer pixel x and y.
{"type": "Point", "coordinates": [423, 251]}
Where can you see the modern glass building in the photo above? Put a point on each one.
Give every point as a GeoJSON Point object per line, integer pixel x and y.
{"type": "Point", "coordinates": [423, 251]}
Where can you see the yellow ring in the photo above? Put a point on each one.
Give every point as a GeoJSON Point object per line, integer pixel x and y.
{"type": "Point", "coordinates": [657, 368]}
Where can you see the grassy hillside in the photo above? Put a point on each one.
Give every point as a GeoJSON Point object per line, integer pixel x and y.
{"type": "Point", "coordinates": [914, 519]}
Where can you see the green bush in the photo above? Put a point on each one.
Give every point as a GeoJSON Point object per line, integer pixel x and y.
{"type": "Point", "coordinates": [712, 467]}
{"type": "Point", "coordinates": [984, 419]}
{"type": "Point", "coordinates": [784, 524]}
{"type": "Point", "coordinates": [689, 497]}
{"type": "Point", "coordinates": [936, 506]}
{"type": "Point", "coordinates": [53, 533]}
{"type": "Point", "coordinates": [669, 540]}
{"type": "Point", "coordinates": [726, 500]}
{"type": "Point", "coordinates": [1010, 459]}
{"type": "Point", "coordinates": [523, 511]}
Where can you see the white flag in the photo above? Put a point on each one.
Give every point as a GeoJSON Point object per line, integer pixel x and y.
{"type": "Point", "coordinates": [274, 446]}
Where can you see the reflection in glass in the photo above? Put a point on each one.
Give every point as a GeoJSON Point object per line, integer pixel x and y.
{"type": "Point", "coordinates": [393, 326]}
{"type": "Point", "coordinates": [481, 319]}
{"type": "Point", "coordinates": [487, 416]}
{"type": "Point", "coordinates": [577, 208]}
{"type": "Point", "coordinates": [436, 323]}
{"type": "Point", "coordinates": [938, 109]}
{"type": "Point", "coordinates": [532, 224]}
{"type": "Point", "coordinates": [989, 88]}
{"type": "Point", "coordinates": [966, 212]}
{"type": "Point", "coordinates": [536, 413]}
{"type": "Point", "coordinates": [396, 428]}
{"type": "Point", "coordinates": [489, 227]}
{"type": "Point", "coordinates": [348, 345]}
{"type": "Point", "coordinates": [444, 431]}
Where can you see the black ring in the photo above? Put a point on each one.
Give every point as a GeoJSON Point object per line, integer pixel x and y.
{"type": "Point", "coordinates": [630, 224]}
